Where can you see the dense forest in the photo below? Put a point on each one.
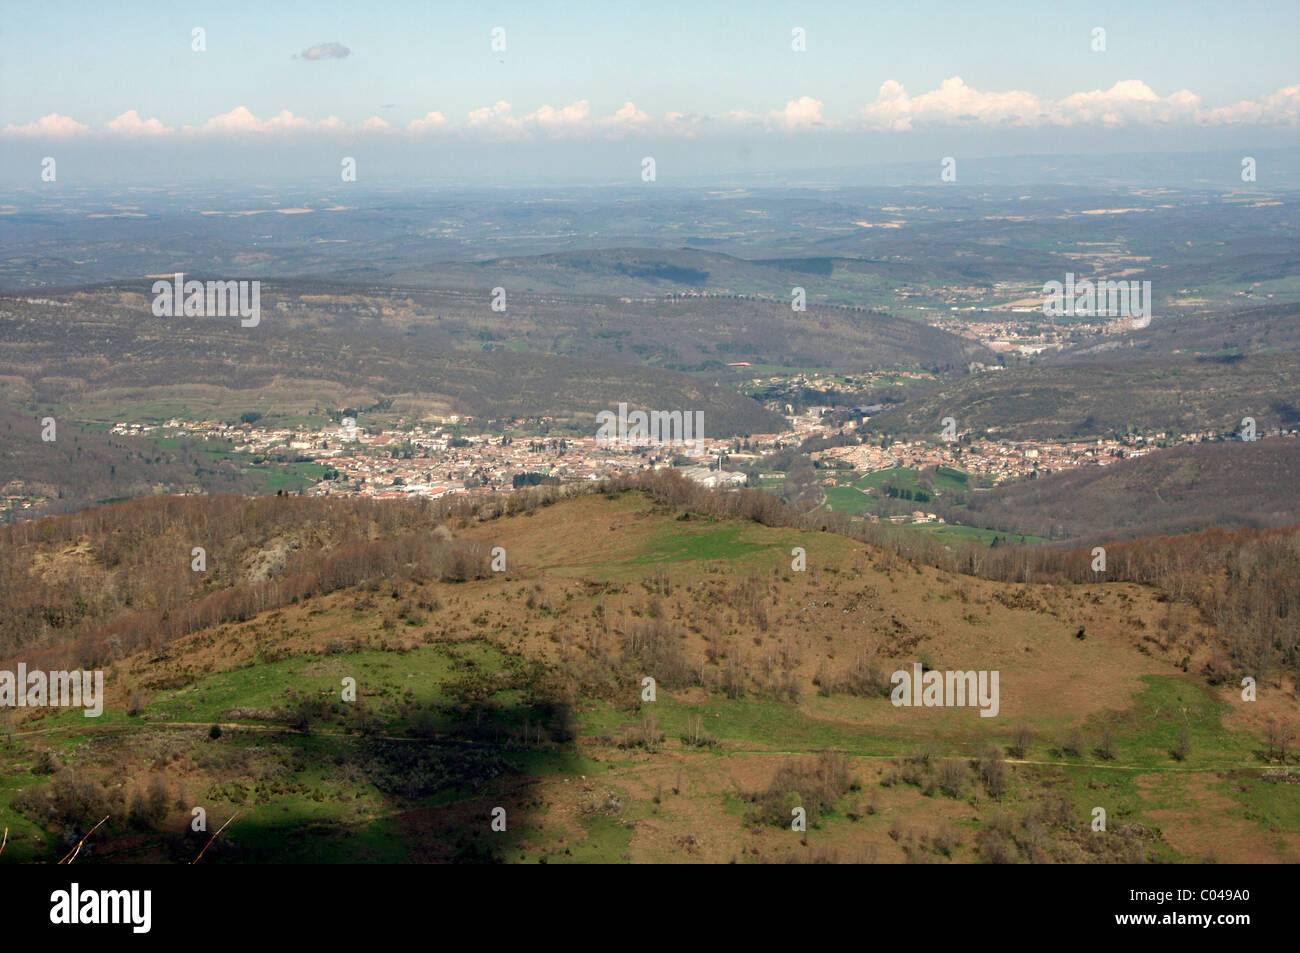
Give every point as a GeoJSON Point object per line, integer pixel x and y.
{"type": "Point", "coordinates": [114, 353]}
{"type": "Point", "coordinates": [95, 585]}
{"type": "Point", "coordinates": [81, 467]}
{"type": "Point", "coordinates": [1227, 484]}
{"type": "Point", "coordinates": [1108, 397]}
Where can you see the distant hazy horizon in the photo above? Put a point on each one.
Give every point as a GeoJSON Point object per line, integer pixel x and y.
{"type": "Point", "coordinates": [224, 171]}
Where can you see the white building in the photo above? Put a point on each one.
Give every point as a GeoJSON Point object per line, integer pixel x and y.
{"type": "Point", "coordinates": [714, 478]}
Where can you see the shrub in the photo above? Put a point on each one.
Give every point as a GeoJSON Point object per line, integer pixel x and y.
{"type": "Point", "coordinates": [658, 645]}
{"type": "Point", "coordinates": [46, 763]}
{"type": "Point", "coordinates": [1106, 747]}
{"type": "Point", "coordinates": [945, 840]}
{"type": "Point", "coordinates": [995, 847]}
{"type": "Point", "coordinates": [696, 735]}
{"type": "Point", "coordinates": [1183, 746]}
{"type": "Point", "coordinates": [646, 735]}
{"type": "Point", "coordinates": [1072, 743]}
{"type": "Point", "coordinates": [149, 807]}
{"type": "Point", "coordinates": [72, 800]}
{"type": "Point", "coordinates": [812, 785]}
{"type": "Point", "coordinates": [952, 777]}
{"type": "Point", "coordinates": [993, 772]}
{"type": "Point", "coordinates": [1020, 741]}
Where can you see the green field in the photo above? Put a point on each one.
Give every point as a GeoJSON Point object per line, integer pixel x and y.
{"type": "Point", "coordinates": [846, 499]}
{"type": "Point", "coordinates": [986, 536]}
{"type": "Point", "coordinates": [287, 476]}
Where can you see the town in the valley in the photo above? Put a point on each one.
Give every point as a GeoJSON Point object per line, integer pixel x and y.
{"type": "Point", "coordinates": [435, 458]}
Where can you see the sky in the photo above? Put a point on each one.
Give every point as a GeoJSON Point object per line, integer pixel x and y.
{"type": "Point", "coordinates": [578, 89]}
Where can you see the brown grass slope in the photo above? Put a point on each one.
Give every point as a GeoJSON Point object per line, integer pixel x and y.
{"type": "Point", "coordinates": [603, 588]}
{"type": "Point", "coordinates": [125, 570]}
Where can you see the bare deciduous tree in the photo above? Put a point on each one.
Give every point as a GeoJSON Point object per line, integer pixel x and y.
{"type": "Point", "coordinates": [1021, 739]}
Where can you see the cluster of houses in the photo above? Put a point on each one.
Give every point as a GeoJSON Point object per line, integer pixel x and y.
{"type": "Point", "coordinates": [440, 458]}
{"type": "Point", "coordinates": [435, 460]}
{"type": "Point", "coordinates": [1003, 460]}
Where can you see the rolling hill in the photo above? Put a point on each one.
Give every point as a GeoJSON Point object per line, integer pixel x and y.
{"type": "Point", "coordinates": [1233, 485]}
{"type": "Point", "coordinates": [83, 467]}
{"type": "Point", "coordinates": [1227, 335]}
{"type": "Point", "coordinates": [1056, 400]}
{"type": "Point", "coordinates": [103, 354]}
{"type": "Point", "coordinates": [522, 691]}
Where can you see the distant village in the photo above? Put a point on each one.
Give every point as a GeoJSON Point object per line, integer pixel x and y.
{"type": "Point", "coordinates": [434, 460]}
{"type": "Point", "coordinates": [440, 458]}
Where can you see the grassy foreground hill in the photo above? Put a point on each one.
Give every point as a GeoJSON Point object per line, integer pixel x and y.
{"type": "Point", "coordinates": [523, 690]}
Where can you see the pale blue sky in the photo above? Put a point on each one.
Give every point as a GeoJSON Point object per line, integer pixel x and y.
{"type": "Point", "coordinates": [93, 61]}
{"type": "Point", "coordinates": [584, 90]}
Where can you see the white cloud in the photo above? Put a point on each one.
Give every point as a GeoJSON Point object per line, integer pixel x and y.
{"type": "Point", "coordinates": [432, 122]}
{"type": "Point", "coordinates": [574, 114]}
{"type": "Point", "coordinates": [130, 124]}
{"type": "Point", "coordinates": [1128, 102]}
{"type": "Point", "coordinates": [498, 119]}
{"type": "Point", "coordinates": [628, 115]}
{"type": "Point", "coordinates": [332, 124]}
{"type": "Point", "coordinates": [489, 113]}
{"type": "Point", "coordinates": [802, 113]}
{"type": "Point", "coordinates": [52, 126]}
{"type": "Point", "coordinates": [953, 103]}
{"type": "Point", "coordinates": [241, 121]}
{"type": "Point", "coordinates": [495, 118]}
{"type": "Point", "coordinates": [686, 125]}
{"type": "Point", "coordinates": [1279, 108]}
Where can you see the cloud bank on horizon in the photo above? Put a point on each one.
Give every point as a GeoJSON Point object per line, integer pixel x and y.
{"type": "Point", "coordinates": [953, 103]}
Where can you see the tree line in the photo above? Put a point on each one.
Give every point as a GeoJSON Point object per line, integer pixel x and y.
{"type": "Point", "coordinates": [110, 580]}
